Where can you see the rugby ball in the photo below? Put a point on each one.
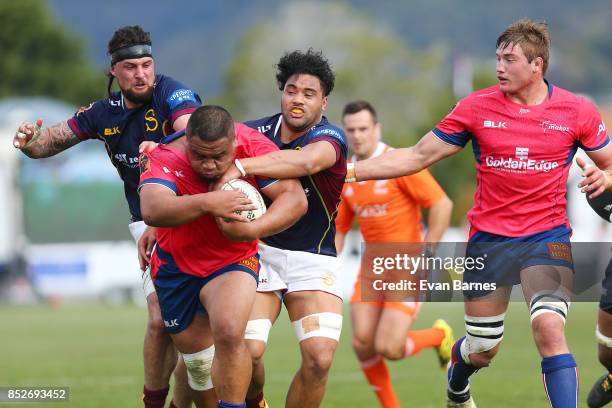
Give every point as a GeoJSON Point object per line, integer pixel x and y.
{"type": "Point", "coordinates": [602, 205]}
{"type": "Point", "coordinates": [252, 193]}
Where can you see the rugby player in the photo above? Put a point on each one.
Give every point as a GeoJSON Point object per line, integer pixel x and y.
{"type": "Point", "coordinates": [195, 266]}
{"type": "Point", "coordinates": [601, 391]}
{"type": "Point", "coordinates": [389, 211]}
{"type": "Point", "coordinates": [524, 133]}
{"type": "Point", "coordinates": [299, 266]}
{"type": "Point", "coordinates": [147, 106]}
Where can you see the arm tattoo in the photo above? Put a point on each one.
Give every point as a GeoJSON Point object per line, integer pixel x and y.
{"type": "Point", "coordinates": [50, 141]}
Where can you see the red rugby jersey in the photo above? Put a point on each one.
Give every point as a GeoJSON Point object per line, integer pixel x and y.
{"type": "Point", "coordinates": [199, 248]}
{"type": "Point", "coordinates": [523, 155]}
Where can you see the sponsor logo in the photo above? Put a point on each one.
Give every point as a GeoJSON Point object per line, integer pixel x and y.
{"type": "Point", "coordinates": [111, 131]}
{"type": "Point", "coordinates": [307, 191]}
{"type": "Point", "coordinates": [548, 125]}
{"type": "Point", "coordinates": [511, 163]}
{"type": "Point", "coordinates": [371, 210]}
{"type": "Point", "coordinates": [522, 111]}
{"type": "Point", "coordinates": [178, 173]}
{"type": "Point", "coordinates": [179, 96]}
{"type": "Point", "coordinates": [608, 207]}
{"type": "Point", "coordinates": [151, 123]}
{"type": "Point", "coordinates": [380, 187]}
{"type": "Point", "coordinates": [166, 170]}
{"type": "Point", "coordinates": [602, 128]}
{"type": "Point", "coordinates": [171, 323]}
{"type": "Point", "coordinates": [264, 129]}
{"type": "Point", "coordinates": [325, 131]}
{"type": "Point", "coordinates": [495, 125]}
{"type": "Point", "coordinates": [128, 161]}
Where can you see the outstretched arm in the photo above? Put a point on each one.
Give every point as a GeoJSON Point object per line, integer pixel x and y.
{"type": "Point", "coordinates": [405, 161]}
{"type": "Point", "coordinates": [37, 142]}
{"type": "Point", "coordinates": [283, 164]}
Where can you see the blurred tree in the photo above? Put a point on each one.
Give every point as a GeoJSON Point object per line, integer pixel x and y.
{"type": "Point", "coordinates": [410, 88]}
{"type": "Point", "coordinates": [39, 57]}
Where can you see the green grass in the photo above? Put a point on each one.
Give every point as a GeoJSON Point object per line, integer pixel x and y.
{"type": "Point", "coordinates": [96, 351]}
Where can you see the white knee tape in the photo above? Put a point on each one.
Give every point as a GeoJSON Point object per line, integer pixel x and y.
{"type": "Point", "coordinates": [319, 325]}
{"type": "Point", "coordinates": [258, 329]}
{"type": "Point", "coordinates": [483, 333]}
{"type": "Point", "coordinates": [199, 368]}
{"type": "Point", "coordinates": [147, 283]}
{"type": "Point", "coordinates": [548, 302]}
{"type": "Point", "coordinates": [602, 338]}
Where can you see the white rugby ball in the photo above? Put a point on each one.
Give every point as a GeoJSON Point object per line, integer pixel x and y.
{"type": "Point", "coordinates": [252, 193]}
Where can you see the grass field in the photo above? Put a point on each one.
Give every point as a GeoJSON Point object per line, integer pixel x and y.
{"type": "Point", "coordinates": [96, 351]}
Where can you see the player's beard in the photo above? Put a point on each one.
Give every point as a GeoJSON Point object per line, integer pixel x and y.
{"type": "Point", "coordinates": [138, 98]}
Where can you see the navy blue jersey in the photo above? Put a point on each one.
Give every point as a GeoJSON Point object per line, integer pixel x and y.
{"type": "Point", "coordinates": [316, 230]}
{"type": "Point", "coordinates": [122, 129]}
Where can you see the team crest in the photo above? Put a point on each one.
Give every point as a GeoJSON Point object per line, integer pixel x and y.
{"type": "Point", "coordinates": [559, 250]}
{"type": "Point", "coordinates": [144, 163]}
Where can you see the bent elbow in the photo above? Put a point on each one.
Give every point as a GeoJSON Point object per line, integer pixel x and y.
{"type": "Point", "coordinates": [150, 217]}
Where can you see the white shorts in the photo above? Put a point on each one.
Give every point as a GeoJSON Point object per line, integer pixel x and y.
{"type": "Point", "coordinates": [292, 271]}
{"type": "Point", "coordinates": [137, 229]}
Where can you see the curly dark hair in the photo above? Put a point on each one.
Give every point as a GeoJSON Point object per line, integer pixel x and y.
{"type": "Point", "coordinates": [311, 63]}
{"type": "Point", "coordinates": [128, 35]}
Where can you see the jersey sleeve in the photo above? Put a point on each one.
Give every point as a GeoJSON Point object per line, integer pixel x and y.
{"type": "Point", "coordinates": [454, 129]}
{"type": "Point", "coordinates": [256, 145]}
{"type": "Point", "coordinates": [422, 187]}
{"type": "Point", "coordinates": [345, 215]}
{"type": "Point", "coordinates": [177, 99]}
{"type": "Point", "coordinates": [84, 123]}
{"type": "Point", "coordinates": [151, 171]}
{"type": "Point", "coordinates": [592, 134]}
{"type": "Point", "coordinates": [334, 136]}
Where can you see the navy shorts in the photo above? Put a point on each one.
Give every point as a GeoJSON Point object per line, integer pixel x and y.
{"type": "Point", "coordinates": [179, 292]}
{"type": "Point", "coordinates": [503, 258]}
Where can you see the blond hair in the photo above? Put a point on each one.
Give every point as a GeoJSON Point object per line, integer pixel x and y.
{"type": "Point", "coordinates": [531, 35]}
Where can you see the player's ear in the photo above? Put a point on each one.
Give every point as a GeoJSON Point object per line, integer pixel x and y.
{"type": "Point", "coordinates": [378, 130]}
{"type": "Point", "coordinates": [324, 103]}
{"type": "Point", "coordinates": [538, 65]}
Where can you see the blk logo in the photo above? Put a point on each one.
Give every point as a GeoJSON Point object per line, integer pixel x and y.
{"type": "Point", "coordinates": [495, 125]}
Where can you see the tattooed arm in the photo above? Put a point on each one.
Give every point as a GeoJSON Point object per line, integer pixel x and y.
{"type": "Point", "coordinates": [37, 142]}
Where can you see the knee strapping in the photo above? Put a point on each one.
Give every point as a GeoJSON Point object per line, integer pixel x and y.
{"type": "Point", "coordinates": [548, 302]}
{"type": "Point", "coordinates": [199, 369]}
{"type": "Point", "coordinates": [483, 334]}
{"type": "Point", "coordinates": [319, 325]}
{"type": "Point", "coordinates": [258, 329]}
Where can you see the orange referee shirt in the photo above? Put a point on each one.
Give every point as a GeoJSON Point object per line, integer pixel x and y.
{"type": "Point", "coordinates": [388, 210]}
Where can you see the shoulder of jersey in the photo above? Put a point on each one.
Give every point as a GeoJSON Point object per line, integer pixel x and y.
{"type": "Point", "coordinates": [263, 125]}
